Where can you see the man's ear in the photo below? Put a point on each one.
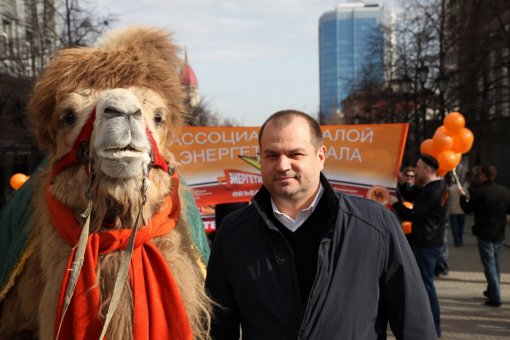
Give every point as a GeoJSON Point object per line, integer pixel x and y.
{"type": "Point", "coordinates": [322, 153]}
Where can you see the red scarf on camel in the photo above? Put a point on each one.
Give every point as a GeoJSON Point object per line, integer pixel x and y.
{"type": "Point", "coordinates": [157, 305]}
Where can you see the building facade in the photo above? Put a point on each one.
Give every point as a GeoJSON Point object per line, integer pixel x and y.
{"type": "Point", "coordinates": [351, 52]}
{"type": "Point", "coordinates": [28, 37]}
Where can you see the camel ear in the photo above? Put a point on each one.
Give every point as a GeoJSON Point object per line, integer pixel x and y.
{"type": "Point", "coordinates": [57, 79]}
{"type": "Point", "coordinates": [40, 110]}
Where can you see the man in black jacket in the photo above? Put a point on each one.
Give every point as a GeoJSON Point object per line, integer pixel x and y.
{"type": "Point", "coordinates": [490, 203]}
{"type": "Point", "coordinates": [304, 262]}
{"type": "Point", "coordinates": [428, 215]}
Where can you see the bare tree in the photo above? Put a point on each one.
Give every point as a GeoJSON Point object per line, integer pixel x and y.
{"type": "Point", "coordinates": [417, 58]}
{"type": "Point", "coordinates": [44, 27]}
{"type": "Point", "coordinates": [81, 26]}
{"type": "Point", "coordinates": [484, 59]}
{"type": "Point", "coordinates": [202, 115]}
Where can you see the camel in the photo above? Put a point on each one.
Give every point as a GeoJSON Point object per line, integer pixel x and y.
{"type": "Point", "coordinates": [106, 117]}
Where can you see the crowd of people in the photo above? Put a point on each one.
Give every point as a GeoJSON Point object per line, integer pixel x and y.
{"type": "Point", "coordinates": [437, 201]}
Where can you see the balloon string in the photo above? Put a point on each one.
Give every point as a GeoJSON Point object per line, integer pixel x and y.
{"type": "Point", "coordinates": [456, 178]}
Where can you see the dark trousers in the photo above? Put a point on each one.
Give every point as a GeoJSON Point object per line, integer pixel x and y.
{"type": "Point", "coordinates": [426, 259]}
{"type": "Point", "coordinates": [490, 254]}
{"type": "Point", "coordinates": [457, 226]}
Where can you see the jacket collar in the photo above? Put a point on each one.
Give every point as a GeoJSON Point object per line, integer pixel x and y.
{"type": "Point", "coordinates": [262, 201]}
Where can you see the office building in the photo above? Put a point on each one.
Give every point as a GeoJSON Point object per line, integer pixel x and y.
{"type": "Point", "coordinates": [351, 51]}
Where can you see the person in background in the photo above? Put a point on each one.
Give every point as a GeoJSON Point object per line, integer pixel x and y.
{"type": "Point", "coordinates": [490, 203]}
{"type": "Point", "coordinates": [456, 214]}
{"type": "Point", "coordinates": [305, 262]}
{"type": "Point", "coordinates": [428, 215]}
{"type": "Point", "coordinates": [406, 182]}
{"type": "Point", "coordinates": [409, 175]}
{"type": "Point", "coordinates": [472, 180]}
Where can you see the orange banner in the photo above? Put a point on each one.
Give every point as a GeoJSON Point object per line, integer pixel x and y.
{"type": "Point", "coordinates": [221, 164]}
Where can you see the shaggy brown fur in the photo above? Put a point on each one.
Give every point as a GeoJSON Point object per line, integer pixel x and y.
{"type": "Point", "coordinates": [144, 61]}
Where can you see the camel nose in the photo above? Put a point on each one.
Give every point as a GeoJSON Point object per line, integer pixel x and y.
{"type": "Point", "coordinates": [119, 103]}
{"type": "Point", "coordinates": [113, 111]}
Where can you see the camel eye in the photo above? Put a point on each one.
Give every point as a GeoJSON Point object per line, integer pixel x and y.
{"type": "Point", "coordinates": [158, 119]}
{"type": "Point", "coordinates": [69, 118]}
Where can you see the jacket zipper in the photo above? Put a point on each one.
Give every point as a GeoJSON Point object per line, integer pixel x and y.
{"type": "Point", "coordinates": [271, 227]}
{"type": "Point", "coordinates": [323, 248]}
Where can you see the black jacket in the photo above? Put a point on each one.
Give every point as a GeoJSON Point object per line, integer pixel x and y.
{"type": "Point", "coordinates": [428, 215]}
{"type": "Point", "coordinates": [490, 203]}
{"type": "Point", "coordinates": [366, 275]}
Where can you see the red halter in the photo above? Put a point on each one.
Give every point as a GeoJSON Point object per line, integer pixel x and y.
{"type": "Point", "coordinates": [79, 152]}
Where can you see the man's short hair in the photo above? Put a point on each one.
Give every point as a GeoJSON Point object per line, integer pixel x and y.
{"type": "Point", "coordinates": [284, 117]}
{"type": "Point", "coordinates": [430, 161]}
{"type": "Point", "coordinates": [489, 171]}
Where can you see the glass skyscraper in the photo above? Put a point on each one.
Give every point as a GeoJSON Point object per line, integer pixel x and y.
{"type": "Point", "coordinates": [350, 39]}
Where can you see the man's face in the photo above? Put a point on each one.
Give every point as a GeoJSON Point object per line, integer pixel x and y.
{"type": "Point", "coordinates": [290, 164]}
{"type": "Point", "coordinates": [410, 177]}
{"type": "Point", "coordinates": [422, 171]}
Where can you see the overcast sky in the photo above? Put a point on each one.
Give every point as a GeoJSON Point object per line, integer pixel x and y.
{"type": "Point", "coordinates": [251, 57]}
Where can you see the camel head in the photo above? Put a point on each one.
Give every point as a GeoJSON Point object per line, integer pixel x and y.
{"type": "Point", "coordinates": [121, 142]}
{"type": "Point", "coordinates": [107, 115]}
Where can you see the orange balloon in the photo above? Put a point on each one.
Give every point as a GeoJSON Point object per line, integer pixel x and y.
{"type": "Point", "coordinates": [441, 141]}
{"type": "Point", "coordinates": [17, 180]}
{"type": "Point", "coordinates": [427, 147]}
{"type": "Point", "coordinates": [442, 129]}
{"type": "Point", "coordinates": [458, 158]}
{"type": "Point", "coordinates": [441, 172]}
{"type": "Point", "coordinates": [463, 141]}
{"type": "Point", "coordinates": [453, 122]}
{"type": "Point", "coordinates": [447, 160]}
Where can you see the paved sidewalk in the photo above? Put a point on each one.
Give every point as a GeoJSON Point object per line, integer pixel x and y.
{"type": "Point", "coordinates": [463, 313]}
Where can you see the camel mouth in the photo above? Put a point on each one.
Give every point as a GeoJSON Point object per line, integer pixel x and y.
{"type": "Point", "coordinates": [128, 151]}
{"type": "Point", "coordinates": [123, 162]}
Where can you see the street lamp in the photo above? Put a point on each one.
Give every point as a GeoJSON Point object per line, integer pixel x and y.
{"type": "Point", "coordinates": [442, 84]}
{"type": "Point", "coordinates": [405, 87]}
{"type": "Point", "coordinates": [423, 73]}
{"type": "Point", "coordinates": [405, 84]}
{"type": "Point", "coordinates": [394, 85]}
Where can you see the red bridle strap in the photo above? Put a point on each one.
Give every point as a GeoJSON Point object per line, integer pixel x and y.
{"type": "Point", "coordinates": [79, 152]}
{"type": "Point", "coordinates": [156, 158]}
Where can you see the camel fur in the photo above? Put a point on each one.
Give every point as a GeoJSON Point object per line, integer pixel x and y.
{"type": "Point", "coordinates": [131, 81]}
